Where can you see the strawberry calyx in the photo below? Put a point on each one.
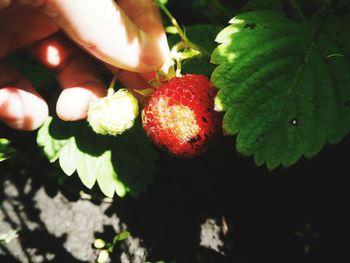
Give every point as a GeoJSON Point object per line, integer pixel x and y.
{"type": "Point", "coordinates": [183, 50]}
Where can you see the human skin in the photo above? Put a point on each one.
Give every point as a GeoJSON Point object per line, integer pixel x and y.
{"type": "Point", "coordinates": [67, 36]}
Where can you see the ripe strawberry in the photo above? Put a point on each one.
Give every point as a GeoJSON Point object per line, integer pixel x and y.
{"type": "Point", "coordinates": [180, 115]}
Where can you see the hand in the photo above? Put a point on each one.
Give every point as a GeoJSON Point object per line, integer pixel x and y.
{"type": "Point", "coordinates": [129, 38]}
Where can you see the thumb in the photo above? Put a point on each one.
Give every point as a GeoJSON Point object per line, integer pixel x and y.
{"type": "Point", "coordinates": [104, 30]}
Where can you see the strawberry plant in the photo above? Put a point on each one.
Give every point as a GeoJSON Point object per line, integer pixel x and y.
{"type": "Point", "coordinates": [278, 73]}
{"type": "Point", "coordinates": [5, 150]}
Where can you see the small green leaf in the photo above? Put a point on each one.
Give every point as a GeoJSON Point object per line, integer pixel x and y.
{"type": "Point", "coordinates": [161, 2]}
{"type": "Point", "coordinates": [120, 237]}
{"type": "Point", "coordinates": [307, 249]}
{"type": "Point", "coordinates": [103, 256]}
{"type": "Point", "coordinates": [171, 30]}
{"type": "Point", "coordinates": [5, 150]}
{"type": "Point", "coordinates": [188, 53]}
{"type": "Point", "coordinates": [283, 95]}
{"type": "Point", "coordinates": [99, 243]}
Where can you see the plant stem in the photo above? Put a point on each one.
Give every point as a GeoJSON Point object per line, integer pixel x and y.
{"type": "Point", "coordinates": [110, 90]}
{"type": "Point", "coordinates": [174, 22]}
{"type": "Point", "coordinates": [181, 33]}
{"type": "Point", "coordinates": [297, 10]}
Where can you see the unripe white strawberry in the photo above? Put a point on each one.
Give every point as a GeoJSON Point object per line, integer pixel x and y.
{"type": "Point", "coordinates": [113, 114]}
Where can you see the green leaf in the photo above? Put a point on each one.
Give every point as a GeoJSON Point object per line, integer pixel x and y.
{"type": "Point", "coordinates": [171, 30]}
{"type": "Point", "coordinates": [307, 249]}
{"type": "Point", "coordinates": [120, 237]}
{"type": "Point", "coordinates": [188, 53]}
{"type": "Point", "coordinates": [122, 164]}
{"type": "Point", "coordinates": [68, 157]}
{"type": "Point", "coordinates": [33, 70]}
{"type": "Point", "coordinates": [5, 150]}
{"type": "Point", "coordinates": [52, 146]}
{"type": "Point", "coordinates": [106, 176]}
{"type": "Point", "coordinates": [284, 86]}
{"type": "Point", "coordinates": [103, 256]}
{"type": "Point", "coordinates": [161, 2]}
{"type": "Point", "coordinates": [202, 36]}
{"type": "Point", "coordinates": [87, 168]}
{"type": "Point", "coordinates": [99, 243]}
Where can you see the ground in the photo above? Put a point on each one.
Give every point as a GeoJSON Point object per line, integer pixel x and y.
{"type": "Point", "coordinates": [219, 207]}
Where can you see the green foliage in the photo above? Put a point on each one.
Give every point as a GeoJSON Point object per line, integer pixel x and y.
{"type": "Point", "coordinates": [5, 150]}
{"type": "Point", "coordinates": [284, 86]}
{"type": "Point", "coordinates": [120, 237]}
{"type": "Point", "coordinates": [309, 237]}
{"type": "Point", "coordinates": [38, 75]}
{"type": "Point", "coordinates": [202, 36]}
{"type": "Point", "coordinates": [161, 2]}
{"type": "Point", "coordinates": [262, 5]}
{"type": "Point", "coordinates": [122, 164]}
{"type": "Point", "coordinates": [107, 248]}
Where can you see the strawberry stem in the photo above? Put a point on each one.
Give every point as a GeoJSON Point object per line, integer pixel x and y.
{"type": "Point", "coordinates": [110, 90]}
{"type": "Point", "coordinates": [184, 39]}
{"type": "Point", "coordinates": [173, 21]}
{"type": "Point", "coordinates": [178, 68]}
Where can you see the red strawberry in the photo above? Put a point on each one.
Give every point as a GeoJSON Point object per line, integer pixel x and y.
{"type": "Point", "coordinates": [180, 115]}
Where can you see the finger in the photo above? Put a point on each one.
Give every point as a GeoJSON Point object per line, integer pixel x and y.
{"type": "Point", "coordinates": [104, 30]}
{"type": "Point", "coordinates": [21, 107]}
{"type": "Point", "coordinates": [77, 75]}
{"type": "Point", "coordinates": [21, 26]}
{"type": "Point", "coordinates": [146, 16]}
{"type": "Point", "coordinates": [129, 79]}
{"type": "Point", "coordinates": [4, 3]}
{"type": "Point", "coordinates": [134, 82]}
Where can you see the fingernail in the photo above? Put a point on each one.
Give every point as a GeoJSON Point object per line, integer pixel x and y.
{"type": "Point", "coordinates": [22, 110]}
{"type": "Point", "coordinates": [73, 103]}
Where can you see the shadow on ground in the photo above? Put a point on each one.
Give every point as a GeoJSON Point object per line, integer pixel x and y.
{"type": "Point", "coordinates": [219, 207]}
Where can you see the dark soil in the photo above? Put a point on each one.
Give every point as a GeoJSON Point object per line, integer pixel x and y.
{"type": "Point", "coordinates": [216, 208]}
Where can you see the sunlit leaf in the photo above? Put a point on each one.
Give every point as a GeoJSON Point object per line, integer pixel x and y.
{"type": "Point", "coordinates": [5, 150]}
{"type": "Point", "coordinates": [284, 86]}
